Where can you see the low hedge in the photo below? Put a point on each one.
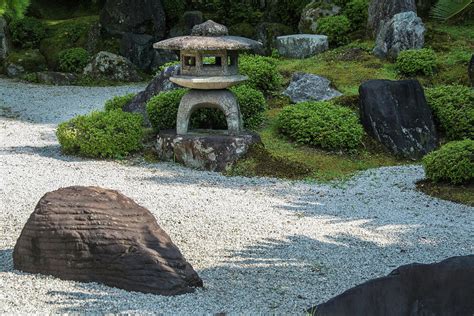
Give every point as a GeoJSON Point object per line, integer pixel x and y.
{"type": "Point", "coordinates": [453, 163]}
{"type": "Point", "coordinates": [163, 108]}
{"type": "Point", "coordinates": [112, 134]}
{"type": "Point", "coordinates": [321, 124]}
{"type": "Point", "coordinates": [453, 107]}
{"type": "Point", "coordinates": [73, 59]}
{"type": "Point", "coordinates": [414, 62]}
{"type": "Point", "coordinates": [117, 103]}
{"type": "Point", "coordinates": [262, 72]}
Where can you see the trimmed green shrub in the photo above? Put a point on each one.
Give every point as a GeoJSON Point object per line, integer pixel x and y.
{"type": "Point", "coordinates": [357, 12]}
{"type": "Point", "coordinates": [163, 108]}
{"type": "Point", "coordinates": [453, 162]}
{"type": "Point", "coordinates": [117, 103]}
{"type": "Point", "coordinates": [322, 124]}
{"type": "Point", "coordinates": [73, 59]}
{"type": "Point", "coordinates": [112, 134]}
{"type": "Point", "coordinates": [27, 32]}
{"type": "Point", "coordinates": [262, 72]}
{"type": "Point", "coordinates": [336, 28]}
{"type": "Point", "coordinates": [14, 8]}
{"type": "Point", "coordinates": [453, 107]}
{"type": "Point", "coordinates": [414, 62]}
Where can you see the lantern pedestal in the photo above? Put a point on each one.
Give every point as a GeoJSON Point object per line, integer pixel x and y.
{"type": "Point", "coordinates": [204, 149]}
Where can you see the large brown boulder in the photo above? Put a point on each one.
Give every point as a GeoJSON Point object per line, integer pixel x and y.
{"type": "Point", "coordinates": [96, 235]}
{"type": "Point", "coordinates": [444, 288]}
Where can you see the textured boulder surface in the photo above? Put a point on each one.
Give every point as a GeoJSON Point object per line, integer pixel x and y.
{"type": "Point", "coordinates": [315, 10]}
{"type": "Point", "coordinates": [471, 70]}
{"type": "Point", "coordinates": [138, 48]}
{"type": "Point", "coordinates": [56, 78]}
{"type": "Point", "coordinates": [105, 65]}
{"type": "Point", "coordinates": [212, 152]}
{"type": "Point", "coordinates": [444, 288]}
{"type": "Point", "coordinates": [267, 34]}
{"type": "Point", "coordinates": [381, 11]}
{"type": "Point", "coordinates": [159, 84]}
{"type": "Point", "coordinates": [92, 234]}
{"type": "Point", "coordinates": [136, 16]}
{"type": "Point", "coordinates": [404, 31]}
{"type": "Point", "coordinates": [301, 45]}
{"type": "Point", "coordinates": [14, 70]}
{"type": "Point", "coordinates": [397, 115]}
{"type": "Point", "coordinates": [308, 87]}
{"type": "Point", "coordinates": [3, 39]}
{"type": "Point", "coordinates": [209, 28]}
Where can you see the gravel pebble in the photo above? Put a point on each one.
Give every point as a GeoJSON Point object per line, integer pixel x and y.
{"type": "Point", "coordinates": [260, 245]}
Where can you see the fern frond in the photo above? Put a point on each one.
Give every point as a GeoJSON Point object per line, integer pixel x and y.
{"type": "Point", "coordinates": [447, 9]}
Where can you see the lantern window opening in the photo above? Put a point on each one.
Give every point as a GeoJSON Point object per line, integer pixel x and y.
{"type": "Point", "coordinates": [189, 61]}
{"type": "Point", "coordinates": [212, 60]}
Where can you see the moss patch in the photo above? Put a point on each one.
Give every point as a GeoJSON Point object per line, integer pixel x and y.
{"type": "Point", "coordinates": [463, 194]}
{"type": "Point", "coordinates": [30, 59]}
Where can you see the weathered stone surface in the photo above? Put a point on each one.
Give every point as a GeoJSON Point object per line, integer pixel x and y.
{"type": "Point", "coordinates": [94, 38]}
{"type": "Point", "coordinates": [471, 70]}
{"type": "Point", "coordinates": [315, 10]}
{"type": "Point", "coordinates": [136, 16]}
{"type": "Point", "coordinates": [105, 65]}
{"type": "Point", "coordinates": [308, 87]}
{"type": "Point", "coordinates": [4, 48]}
{"type": "Point", "coordinates": [56, 78]}
{"type": "Point", "coordinates": [138, 48]}
{"type": "Point", "coordinates": [14, 70]}
{"type": "Point", "coordinates": [208, 83]}
{"type": "Point", "coordinates": [267, 34]}
{"type": "Point", "coordinates": [301, 45]}
{"type": "Point", "coordinates": [210, 28]}
{"type": "Point", "coordinates": [159, 84]}
{"type": "Point", "coordinates": [404, 31]}
{"type": "Point", "coordinates": [443, 288]}
{"type": "Point", "coordinates": [382, 11]}
{"type": "Point", "coordinates": [224, 100]}
{"type": "Point", "coordinates": [96, 235]}
{"type": "Point", "coordinates": [213, 152]}
{"type": "Point", "coordinates": [208, 43]}
{"type": "Point", "coordinates": [396, 114]}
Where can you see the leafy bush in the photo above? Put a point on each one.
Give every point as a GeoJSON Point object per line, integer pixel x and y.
{"type": "Point", "coordinates": [73, 59]}
{"type": "Point", "coordinates": [27, 32]}
{"type": "Point", "coordinates": [286, 11]}
{"type": "Point", "coordinates": [117, 103]}
{"type": "Point", "coordinates": [112, 134]}
{"type": "Point", "coordinates": [335, 28]}
{"type": "Point", "coordinates": [14, 8]}
{"type": "Point", "coordinates": [413, 62]}
{"type": "Point", "coordinates": [174, 10]}
{"type": "Point", "coordinates": [357, 12]}
{"type": "Point", "coordinates": [30, 59]}
{"type": "Point", "coordinates": [453, 107]}
{"type": "Point", "coordinates": [321, 124]}
{"type": "Point", "coordinates": [163, 108]}
{"type": "Point", "coordinates": [453, 162]}
{"type": "Point", "coordinates": [262, 72]}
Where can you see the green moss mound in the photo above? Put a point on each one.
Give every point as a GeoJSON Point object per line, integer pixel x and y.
{"type": "Point", "coordinates": [117, 103]}
{"type": "Point", "coordinates": [453, 163]}
{"type": "Point", "coordinates": [112, 134]}
{"type": "Point", "coordinates": [73, 59]}
{"type": "Point", "coordinates": [414, 62]}
{"type": "Point", "coordinates": [321, 124]}
{"type": "Point", "coordinates": [453, 106]}
{"type": "Point", "coordinates": [30, 59]}
{"type": "Point", "coordinates": [336, 28]}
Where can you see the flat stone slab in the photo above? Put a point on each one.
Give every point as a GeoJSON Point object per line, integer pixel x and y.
{"type": "Point", "coordinates": [205, 150]}
{"type": "Point", "coordinates": [208, 83]}
{"type": "Point", "coordinates": [301, 45]}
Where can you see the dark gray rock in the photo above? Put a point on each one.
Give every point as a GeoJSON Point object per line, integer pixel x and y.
{"type": "Point", "coordinates": [138, 48]}
{"type": "Point", "coordinates": [14, 70]}
{"type": "Point", "coordinates": [444, 288]}
{"type": "Point", "coordinates": [56, 78]}
{"type": "Point", "coordinates": [191, 19]}
{"type": "Point", "coordinates": [135, 16]}
{"type": "Point", "coordinates": [471, 70]}
{"type": "Point", "coordinates": [206, 151]}
{"type": "Point", "coordinates": [308, 87]}
{"type": "Point", "coordinates": [315, 10]}
{"type": "Point", "coordinates": [404, 31]}
{"type": "Point", "coordinates": [91, 234]}
{"type": "Point", "coordinates": [94, 38]}
{"type": "Point", "coordinates": [105, 65]}
{"type": "Point", "coordinates": [159, 84]}
{"type": "Point", "coordinates": [397, 115]}
{"type": "Point", "coordinates": [382, 11]}
{"type": "Point", "coordinates": [267, 34]}
{"type": "Point", "coordinates": [301, 45]}
{"type": "Point", "coordinates": [4, 46]}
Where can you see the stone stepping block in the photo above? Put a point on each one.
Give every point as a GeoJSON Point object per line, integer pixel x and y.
{"type": "Point", "coordinates": [301, 46]}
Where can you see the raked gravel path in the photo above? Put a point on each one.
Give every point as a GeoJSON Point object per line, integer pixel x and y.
{"type": "Point", "coordinates": [260, 245]}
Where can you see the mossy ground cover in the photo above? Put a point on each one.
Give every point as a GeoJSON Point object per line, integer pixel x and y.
{"type": "Point", "coordinates": [463, 194]}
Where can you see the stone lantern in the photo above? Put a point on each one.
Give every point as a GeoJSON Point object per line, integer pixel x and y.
{"type": "Point", "coordinates": [209, 65]}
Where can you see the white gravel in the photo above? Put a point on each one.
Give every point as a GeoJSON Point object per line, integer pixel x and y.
{"type": "Point", "coordinates": [260, 245]}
